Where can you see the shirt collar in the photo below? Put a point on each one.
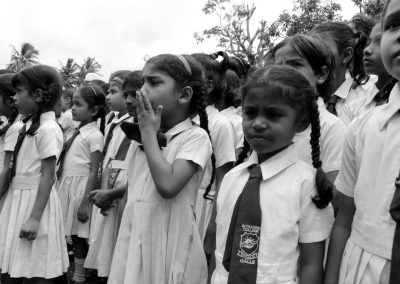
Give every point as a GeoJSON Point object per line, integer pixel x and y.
{"type": "Point", "coordinates": [391, 108]}
{"type": "Point", "coordinates": [47, 116]}
{"type": "Point", "coordinates": [273, 165]}
{"type": "Point", "coordinates": [117, 119]}
{"type": "Point", "coordinates": [87, 129]}
{"type": "Point", "coordinates": [178, 128]}
{"type": "Point", "coordinates": [343, 90]}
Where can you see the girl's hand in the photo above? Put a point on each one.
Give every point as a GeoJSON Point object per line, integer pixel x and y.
{"type": "Point", "coordinates": [83, 211]}
{"type": "Point", "coordinates": [29, 229]}
{"type": "Point", "coordinates": [100, 197]}
{"type": "Point", "coordinates": [148, 119]}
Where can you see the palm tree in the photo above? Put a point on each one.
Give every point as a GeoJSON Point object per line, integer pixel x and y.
{"type": "Point", "coordinates": [90, 65]}
{"type": "Point", "coordinates": [70, 73]}
{"type": "Point", "coordinates": [26, 57]}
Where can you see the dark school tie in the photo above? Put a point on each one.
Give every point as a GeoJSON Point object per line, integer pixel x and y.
{"type": "Point", "coordinates": [20, 139]}
{"type": "Point", "coordinates": [243, 239]}
{"type": "Point", "coordinates": [395, 213]}
{"type": "Point", "coordinates": [108, 138]}
{"type": "Point", "coordinates": [132, 131]}
{"type": "Point", "coordinates": [110, 118]}
{"type": "Point", "coordinates": [67, 145]}
{"type": "Point", "coordinates": [331, 105]}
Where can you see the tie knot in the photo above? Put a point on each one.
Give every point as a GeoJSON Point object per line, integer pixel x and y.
{"type": "Point", "coordinates": [333, 99]}
{"type": "Point", "coordinates": [255, 172]}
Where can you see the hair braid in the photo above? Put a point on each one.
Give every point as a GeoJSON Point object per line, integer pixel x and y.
{"type": "Point", "coordinates": [243, 153]}
{"type": "Point", "coordinates": [324, 186]}
{"type": "Point", "coordinates": [201, 111]}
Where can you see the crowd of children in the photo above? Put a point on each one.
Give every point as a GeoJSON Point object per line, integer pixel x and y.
{"type": "Point", "coordinates": [203, 169]}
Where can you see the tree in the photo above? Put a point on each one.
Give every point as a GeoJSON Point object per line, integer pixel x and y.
{"type": "Point", "coordinates": [90, 65]}
{"type": "Point", "coordinates": [306, 15]}
{"type": "Point", "coordinates": [70, 73]}
{"type": "Point", "coordinates": [371, 8]}
{"type": "Point", "coordinates": [234, 30]}
{"type": "Point", "coordinates": [26, 57]}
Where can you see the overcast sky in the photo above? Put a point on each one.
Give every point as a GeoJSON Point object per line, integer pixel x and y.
{"type": "Point", "coordinates": [118, 33]}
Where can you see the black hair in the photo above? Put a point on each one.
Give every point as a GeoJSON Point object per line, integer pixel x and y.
{"type": "Point", "coordinates": [287, 85]}
{"type": "Point", "coordinates": [344, 37]}
{"type": "Point", "coordinates": [363, 24]}
{"type": "Point", "coordinates": [239, 66]}
{"type": "Point", "coordinates": [97, 82]}
{"type": "Point", "coordinates": [95, 97]}
{"type": "Point", "coordinates": [133, 79]}
{"type": "Point", "coordinates": [216, 72]}
{"type": "Point", "coordinates": [121, 74]}
{"type": "Point", "coordinates": [317, 54]}
{"type": "Point", "coordinates": [5, 71]}
{"type": "Point", "coordinates": [194, 78]}
{"type": "Point", "coordinates": [6, 93]}
{"type": "Point", "coordinates": [45, 78]}
{"type": "Point", "coordinates": [68, 93]}
{"type": "Point", "coordinates": [105, 87]}
{"type": "Point", "coordinates": [231, 96]}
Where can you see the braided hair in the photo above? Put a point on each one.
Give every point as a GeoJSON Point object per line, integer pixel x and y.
{"type": "Point", "coordinates": [45, 78]}
{"type": "Point", "coordinates": [6, 93]}
{"type": "Point", "coordinates": [194, 78]}
{"type": "Point", "coordinates": [95, 97]}
{"type": "Point", "coordinates": [287, 85]}
{"type": "Point", "coordinates": [216, 72]}
{"type": "Point", "coordinates": [344, 37]}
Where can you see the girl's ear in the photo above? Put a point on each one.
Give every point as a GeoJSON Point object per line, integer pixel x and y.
{"type": "Point", "coordinates": [209, 86]}
{"type": "Point", "coordinates": [348, 54]}
{"type": "Point", "coordinates": [302, 124]}
{"type": "Point", "coordinates": [93, 111]}
{"type": "Point", "coordinates": [38, 95]}
{"type": "Point", "coordinates": [186, 95]}
{"type": "Point", "coordinates": [322, 75]}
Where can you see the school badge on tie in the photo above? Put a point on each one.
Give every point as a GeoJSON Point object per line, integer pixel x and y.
{"type": "Point", "coordinates": [249, 244]}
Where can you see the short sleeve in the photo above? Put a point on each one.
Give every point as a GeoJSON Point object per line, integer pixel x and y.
{"type": "Point", "coordinates": [49, 140]}
{"type": "Point", "coordinates": [315, 224]}
{"type": "Point", "coordinates": [96, 142]}
{"type": "Point", "coordinates": [66, 121]}
{"type": "Point", "coordinates": [347, 178]}
{"type": "Point", "coordinates": [331, 146]}
{"type": "Point", "coordinates": [223, 141]}
{"type": "Point", "coordinates": [196, 148]}
{"type": "Point", "coordinates": [11, 136]}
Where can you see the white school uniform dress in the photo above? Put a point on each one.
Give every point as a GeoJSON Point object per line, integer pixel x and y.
{"type": "Point", "coordinates": [46, 256]}
{"type": "Point", "coordinates": [289, 216]}
{"type": "Point", "coordinates": [72, 184]}
{"type": "Point", "coordinates": [117, 137]}
{"type": "Point", "coordinates": [4, 122]}
{"type": "Point", "coordinates": [223, 142]}
{"type": "Point", "coordinates": [103, 240]}
{"type": "Point", "coordinates": [359, 106]}
{"type": "Point", "coordinates": [236, 122]}
{"type": "Point", "coordinates": [331, 140]}
{"type": "Point", "coordinates": [158, 240]}
{"type": "Point", "coordinates": [7, 144]}
{"type": "Point", "coordinates": [371, 163]}
{"type": "Point", "coordinates": [347, 94]}
{"type": "Point", "coordinates": [67, 123]}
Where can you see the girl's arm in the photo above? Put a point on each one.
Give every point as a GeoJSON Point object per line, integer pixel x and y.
{"type": "Point", "coordinates": [30, 227]}
{"type": "Point", "coordinates": [340, 233]}
{"type": "Point", "coordinates": [103, 198]}
{"type": "Point", "coordinates": [83, 210]}
{"type": "Point", "coordinates": [5, 174]}
{"type": "Point", "coordinates": [311, 262]}
{"type": "Point", "coordinates": [169, 179]}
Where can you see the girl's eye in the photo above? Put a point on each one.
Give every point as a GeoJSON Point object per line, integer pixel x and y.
{"type": "Point", "coordinates": [392, 25]}
{"type": "Point", "coordinates": [249, 113]}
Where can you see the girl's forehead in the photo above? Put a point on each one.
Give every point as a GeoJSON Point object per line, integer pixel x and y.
{"type": "Point", "coordinates": [115, 85]}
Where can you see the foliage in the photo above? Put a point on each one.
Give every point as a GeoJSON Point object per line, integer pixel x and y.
{"type": "Point", "coordinates": [70, 73]}
{"type": "Point", "coordinates": [306, 15]}
{"type": "Point", "coordinates": [26, 57]}
{"type": "Point", "coordinates": [90, 65]}
{"type": "Point", "coordinates": [371, 8]}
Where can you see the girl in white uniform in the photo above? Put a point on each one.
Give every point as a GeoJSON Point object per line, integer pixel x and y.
{"type": "Point", "coordinates": [77, 172]}
{"type": "Point", "coordinates": [273, 229]}
{"type": "Point", "coordinates": [365, 231]}
{"type": "Point", "coordinates": [112, 198]}
{"type": "Point", "coordinates": [9, 129]}
{"type": "Point", "coordinates": [158, 241]}
{"type": "Point", "coordinates": [32, 243]}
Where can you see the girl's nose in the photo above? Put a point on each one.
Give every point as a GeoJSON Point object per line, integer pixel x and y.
{"type": "Point", "coordinates": [260, 124]}
{"type": "Point", "coordinates": [367, 51]}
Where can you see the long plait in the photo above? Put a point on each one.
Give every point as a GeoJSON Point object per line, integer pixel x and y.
{"type": "Point", "coordinates": [102, 116]}
{"type": "Point", "coordinates": [35, 123]}
{"type": "Point", "coordinates": [243, 153]}
{"type": "Point", "coordinates": [324, 186]}
{"type": "Point", "coordinates": [201, 104]}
